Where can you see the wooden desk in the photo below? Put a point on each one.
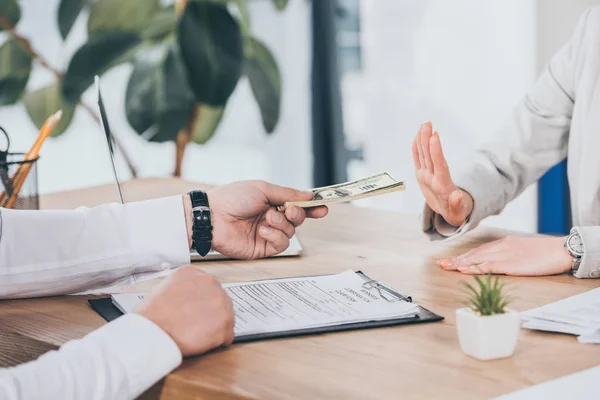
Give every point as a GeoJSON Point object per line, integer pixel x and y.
{"type": "Point", "coordinates": [421, 361]}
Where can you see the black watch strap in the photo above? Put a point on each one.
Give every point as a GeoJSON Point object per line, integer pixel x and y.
{"type": "Point", "coordinates": [202, 227]}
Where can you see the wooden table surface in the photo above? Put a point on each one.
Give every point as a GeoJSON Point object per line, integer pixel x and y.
{"type": "Point", "coordinates": [419, 361]}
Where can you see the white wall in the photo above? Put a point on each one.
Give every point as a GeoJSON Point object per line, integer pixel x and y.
{"type": "Point", "coordinates": [239, 150]}
{"type": "Point", "coordinates": [462, 64]}
{"type": "Point", "coordinates": [556, 20]}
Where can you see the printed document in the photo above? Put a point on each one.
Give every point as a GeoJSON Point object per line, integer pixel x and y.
{"type": "Point", "coordinates": [577, 315]}
{"type": "Point", "coordinates": [281, 305]}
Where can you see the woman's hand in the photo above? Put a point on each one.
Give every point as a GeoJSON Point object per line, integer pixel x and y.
{"type": "Point", "coordinates": [514, 255]}
{"type": "Point", "coordinates": [433, 175]}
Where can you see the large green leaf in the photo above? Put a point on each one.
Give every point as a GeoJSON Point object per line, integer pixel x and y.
{"type": "Point", "coordinates": [10, 13]}
{"type": "Point", "coordinates": [140, 93]}
{"type": "Point", "coordinates": [281, 4]}
{"type": "Point", "coordinates": [128, 15]}
{"type": "Point", "coordinates": [93, 58]}
{"type": "Point", "coordinates": [163, 23]}
{"type": "Point", "coordinates": [211, 47]}
{"type": "Point", "coordinates": [265, 80]}
{"type": "Point", "coordinates": [46, 101]}
{"type": "Point", "coordinates": [207, 122]}
{"type": "Point", "coordinates": [175, 95]}
{"type": "Point", "coordinates": [15, 67]}
{"type": "Point", "coordinates": [68, 11]}
{"type": "Point", "coordinates": [158, 101]}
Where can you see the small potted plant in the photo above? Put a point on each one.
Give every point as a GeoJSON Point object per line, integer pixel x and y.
{"type": "Point", "coordinates": [487, 330]}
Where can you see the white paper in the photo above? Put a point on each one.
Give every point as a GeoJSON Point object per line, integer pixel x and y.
{"type": "Point", "coordinates": [576, 315]}
{"type": "Point", "coordinates": [591, 339]}
{"type": "Point", "coordinates": [581, 386]}
{"type": "Point", "coordinates": [299, 303]}
{"type": "Point", "coordinates": [294, 249]}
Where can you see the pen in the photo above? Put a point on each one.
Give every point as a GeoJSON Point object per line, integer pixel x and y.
{"type": "Point", "coordinates": [23, 170]}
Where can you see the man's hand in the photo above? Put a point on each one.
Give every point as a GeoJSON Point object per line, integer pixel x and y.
{"type": "Point", "coordinates": [246, 223]}
{"type": "Point", "coordinates": [192, 308]}
{"type": "Point", "coordinates": [433, 175]}
{"type": "Point", "coordinates": [513, 255]}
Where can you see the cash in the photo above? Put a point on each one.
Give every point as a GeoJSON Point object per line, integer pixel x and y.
{"type": "Point", "coordinates": [367, 187]}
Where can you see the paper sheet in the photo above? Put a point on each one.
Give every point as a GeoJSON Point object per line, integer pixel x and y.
{"type": "Point", "coordinates": [576, 315]}
{"type": "Point", "coordinates": [581, 386]}
{"type": "Point", "coordinates": [294, 249]}
{"type": "Point", "coordinates": [300, 303]}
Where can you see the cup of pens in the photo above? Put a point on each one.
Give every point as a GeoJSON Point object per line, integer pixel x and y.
{"type": "Point", "coordinates": [19, 191]}
{"type": "Point", "coordinates": [18, 171]}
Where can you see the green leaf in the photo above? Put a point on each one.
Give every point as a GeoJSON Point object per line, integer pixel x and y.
{"type": "Point", "coordinates": [158, 101]}
{"type": "Point", "coordinates": [163, 23]}
{"type": "Point", "coordinates": [46, 101]}
{"type": "Point", "coordinates": [470, 289]}
{"type": "Point", "coordinates": [140, 94]}
{"type": "Point", "coordinates": [175, 101]}
{"type": "Point", "coordinates": [68, 11]}
{"type": "Point", "coordinates": [265, 80]}
{"type": "Point", "coordinates": [126, 15]}
{"type": "Point", "coordinates": [490, 299]}
{"type": "Point", "coordinates": [94, 58]}
{"type": "Point", "coordinates": [212, 50]}
{"type": "Point", "coordinates": [10, 12]}
{"type": "Point", "coordinates": [15, 67]}
{"type": "Point", "coordinates": [280, 4]}
{"type": "Point", "coordinates": [207, 122]}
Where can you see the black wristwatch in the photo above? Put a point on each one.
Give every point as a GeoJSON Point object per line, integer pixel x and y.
{"type": "Point", "coordinates": [202, 227]}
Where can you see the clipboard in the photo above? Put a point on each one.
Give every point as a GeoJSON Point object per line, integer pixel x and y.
{"type": "Point", "coordinates": [107, 310]}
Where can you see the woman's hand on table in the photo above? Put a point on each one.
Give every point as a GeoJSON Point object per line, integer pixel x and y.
{"type": "Point", "coordinates": [514, 255]}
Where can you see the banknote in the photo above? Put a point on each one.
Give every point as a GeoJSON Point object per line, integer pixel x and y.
{"type": "Point", "coordinates": [367, 187]}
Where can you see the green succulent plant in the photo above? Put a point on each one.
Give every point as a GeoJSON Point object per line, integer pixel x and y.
{"type": "Point", "coordinates": [489, 297]}
{"type": "Point", "coordinates": [187, 60]}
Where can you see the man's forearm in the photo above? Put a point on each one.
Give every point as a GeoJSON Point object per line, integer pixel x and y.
{"type": "Point", "coordinates": [118, 361]}
{"type": "Point", "coordinates": [59, 252]}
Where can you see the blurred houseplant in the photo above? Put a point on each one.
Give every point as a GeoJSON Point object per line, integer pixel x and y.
{"type": "Point", "coordinates": [487, 329]}
{"type": "Point", "coordinates": [187, 59]}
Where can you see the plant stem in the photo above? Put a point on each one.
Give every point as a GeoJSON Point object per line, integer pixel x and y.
{"type": "Point", "coordinates": [26, 45]}
{"type": "Point", "coordinates": [183, 138]}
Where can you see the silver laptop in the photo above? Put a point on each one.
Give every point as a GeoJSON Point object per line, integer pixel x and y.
{"type": "Point", "coordinates": [294, 249]}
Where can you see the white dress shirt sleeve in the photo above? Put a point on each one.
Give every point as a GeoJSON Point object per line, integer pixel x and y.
{"type": "Point", "coordinates": [118, 361]}
{"type": "Point", "coordinates": [58, 252]}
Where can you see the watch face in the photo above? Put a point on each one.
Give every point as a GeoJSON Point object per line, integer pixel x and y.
{"type": "Point", "coordinates": [575, 244]}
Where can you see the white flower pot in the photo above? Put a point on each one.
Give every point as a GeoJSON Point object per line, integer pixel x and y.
{"type": "Point", "coordinates": [488, 337]}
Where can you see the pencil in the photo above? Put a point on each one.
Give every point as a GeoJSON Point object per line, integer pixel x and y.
{"type": "Point", "coordinates": [24, 169]}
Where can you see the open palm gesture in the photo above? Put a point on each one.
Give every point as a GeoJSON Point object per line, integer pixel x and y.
{"type": "Point", "coordinates": [433, 175]}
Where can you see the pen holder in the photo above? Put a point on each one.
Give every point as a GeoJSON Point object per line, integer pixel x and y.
{"type": "Point", "coordinates": [19, 183]}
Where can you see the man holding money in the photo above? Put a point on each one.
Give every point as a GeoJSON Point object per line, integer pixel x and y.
{"type": "Point", "coordinates": [45, 253]}
{"type": "Point", "coordinates": [368, 187]}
